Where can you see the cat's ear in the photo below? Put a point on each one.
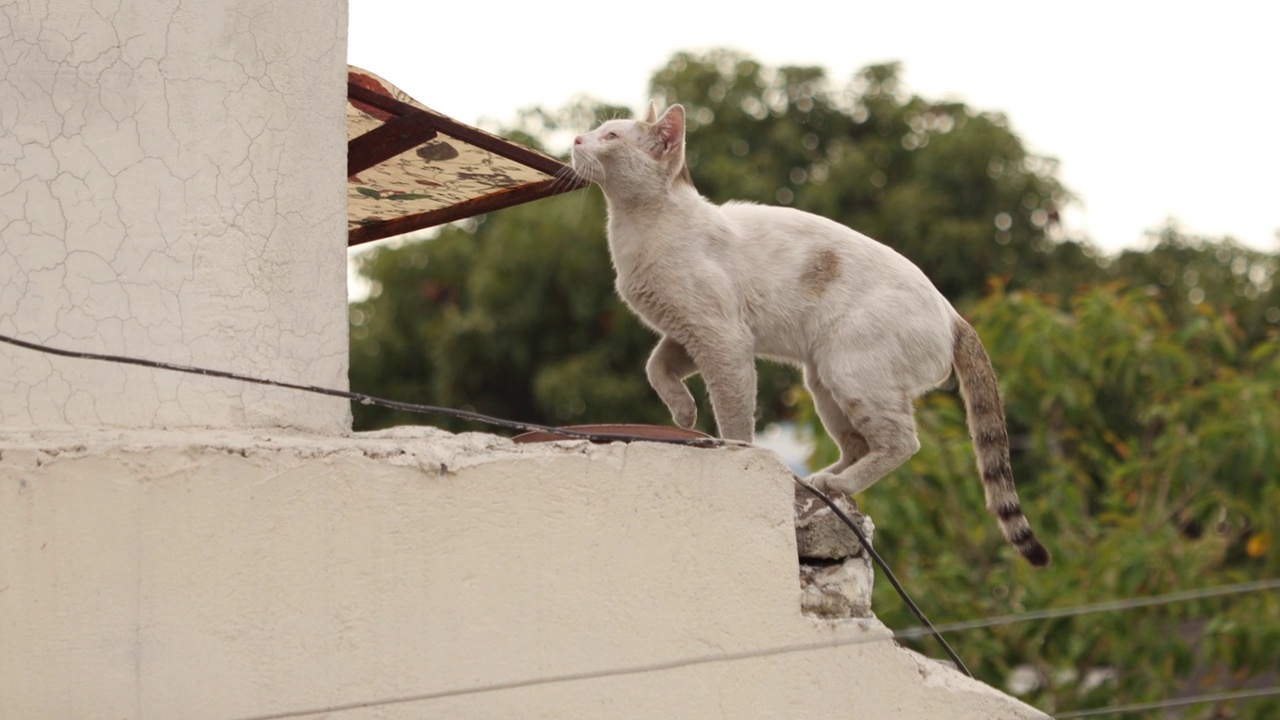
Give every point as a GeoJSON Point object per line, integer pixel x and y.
{"type": "Point", "coordinates": [651, 116]}
{"type": "Point", "coordinates": [670, 128]}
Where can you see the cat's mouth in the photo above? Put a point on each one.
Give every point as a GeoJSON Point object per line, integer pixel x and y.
{"type": "Point", "coordinates": [587, 167]}
{"type": "Point", "coordinates": [569, 175]}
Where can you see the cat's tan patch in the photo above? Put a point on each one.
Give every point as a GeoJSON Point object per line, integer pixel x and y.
{"type": "Point", "coordinates": [822, 269]}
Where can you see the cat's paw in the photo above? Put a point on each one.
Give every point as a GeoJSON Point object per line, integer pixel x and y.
{"type": "Point", "coordinates": [827, 483]}
{"type": "Point", "coordinates": [684, 411]}
{"type": "Point", "coordinates": [685, 415]}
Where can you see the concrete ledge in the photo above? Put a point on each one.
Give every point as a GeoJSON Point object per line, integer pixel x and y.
{"type": "Point", "coordinates": [415, 573]}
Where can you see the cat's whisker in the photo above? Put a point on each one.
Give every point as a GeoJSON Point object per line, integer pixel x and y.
{"type": "Point", "coordinates": [569, 177]}
{"type": "Point", "coordinates": [582, 194]}
{"type": "Point", "coordinates": [560, 180]}
{"type": "Point", "coordinates": [554, 184]}
{"type": "Point", "coordinates": [572, 174]}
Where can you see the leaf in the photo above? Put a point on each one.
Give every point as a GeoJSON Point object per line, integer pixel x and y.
{"type": "Point", "coordinates": [1258, 545]}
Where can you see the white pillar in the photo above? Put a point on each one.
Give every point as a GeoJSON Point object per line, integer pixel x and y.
{"type": "Point", "coordinates": [172, 187]}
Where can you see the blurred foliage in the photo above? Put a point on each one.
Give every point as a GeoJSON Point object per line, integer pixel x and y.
{"type": "Point", "coordinates": [1141, 389]}
{"type": "Point", "coordinates": [1189, 270]}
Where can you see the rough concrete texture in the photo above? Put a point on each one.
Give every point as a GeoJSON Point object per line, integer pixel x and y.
{"type": "Point", "coordinates": [821, 534]}
{"type": "Point", "coordinates": [172, 187]}
{"type": "Point", "coordinates": [836, 574]}
{"type": "Point", "coordinates": [417, 574]}
{"type": "Point", "coordinates": [838, 588]}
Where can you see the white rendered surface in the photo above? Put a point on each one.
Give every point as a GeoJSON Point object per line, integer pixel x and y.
{"type": "Point", "coordinates": [415, 574]}
{"type": "Point", "coordinates": [172, 187]}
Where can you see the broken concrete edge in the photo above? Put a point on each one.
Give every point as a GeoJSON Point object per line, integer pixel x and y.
{"type": "Point", "coordinates": [821, 534]}
{"type": "Point", "coordinates": [431, 449]}
{"type": "Point", "coordinates": [409, 445]}
{"type": "Point", "coordinates": [838, 590]}
{"type": "Point", "coordinates": [836, 576]}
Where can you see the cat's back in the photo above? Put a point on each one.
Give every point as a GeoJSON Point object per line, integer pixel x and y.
{"type": "Point", "coordinates": [782, 232]}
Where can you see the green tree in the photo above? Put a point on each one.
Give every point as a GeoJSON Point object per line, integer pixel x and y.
{"type": "Point", "coordinates": [1186, 270]}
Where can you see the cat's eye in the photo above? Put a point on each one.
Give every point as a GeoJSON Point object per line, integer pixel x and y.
{"type": "Point", "coordinates": [611, 136]}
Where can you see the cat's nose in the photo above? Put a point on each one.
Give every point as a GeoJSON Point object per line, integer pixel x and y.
{"type": "Point", "coordinates": [577, 140]}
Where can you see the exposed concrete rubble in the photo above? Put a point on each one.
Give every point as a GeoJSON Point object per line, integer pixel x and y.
{"type": "Point", "coordinates": [836, 576]}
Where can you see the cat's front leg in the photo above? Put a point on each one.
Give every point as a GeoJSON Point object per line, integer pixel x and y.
{"type": "Point", "coordinates": [668, 366]}
{"type": "Point", "coordinates": [727, 363]}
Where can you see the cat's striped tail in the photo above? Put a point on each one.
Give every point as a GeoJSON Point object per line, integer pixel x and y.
{"type": "Point", "coordinates": [985, 414]}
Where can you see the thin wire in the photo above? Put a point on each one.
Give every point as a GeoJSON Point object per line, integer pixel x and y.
{"type": "Point", "coordinates": [370, 399]}
{"type": "Point", "coordinates": [1173, 702]}
{"type": "Point", "coordinates": [579, 676]}
{"type": "Point", "coordinates": [884, 567]}
{"type": "Point", "coordinates": [1107, 606]}
{"type": "Point", "coordinates": [804, 647]}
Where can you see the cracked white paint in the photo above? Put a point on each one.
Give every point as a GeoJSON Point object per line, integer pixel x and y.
{"type": "Point", "coordinates": [232, 574]}
{"type": "Point", "coordinates": [172, 187]}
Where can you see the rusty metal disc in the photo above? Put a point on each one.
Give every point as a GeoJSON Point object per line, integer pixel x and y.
{"type": "Point", "coordinates": [656, 432]}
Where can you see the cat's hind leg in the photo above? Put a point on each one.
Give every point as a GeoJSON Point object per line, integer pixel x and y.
{"type": "Point", "coordinates": [668, 366]}
{"type": "Point", "coordinates": [851, 443]}
{"type": "Point", "coordinates": [886, 422]}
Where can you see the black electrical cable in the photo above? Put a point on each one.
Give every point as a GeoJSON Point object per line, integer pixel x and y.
{"type": "Point", "coordinates": [367, 399]}
{"type": "Point", "coordinates": [884, 567]}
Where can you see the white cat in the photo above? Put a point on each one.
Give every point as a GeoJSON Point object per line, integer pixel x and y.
{"type": "Point", "coordinates": [725, 283]}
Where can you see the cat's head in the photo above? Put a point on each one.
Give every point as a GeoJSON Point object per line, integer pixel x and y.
{"type": "Point", "coordinates": [633, 153]}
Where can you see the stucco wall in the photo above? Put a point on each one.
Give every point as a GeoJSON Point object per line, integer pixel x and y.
{"type": "Point", "coordinates": [416, 574]}
{"type": "Point", "coordinates": [172, 187]}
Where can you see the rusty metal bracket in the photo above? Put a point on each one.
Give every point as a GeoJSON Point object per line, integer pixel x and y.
{"type": "Point", "coordinates": [394, 137]}
{"type": "Point", "coordinates": [406, 126]}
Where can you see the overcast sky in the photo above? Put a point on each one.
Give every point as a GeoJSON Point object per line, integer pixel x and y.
{"type": "Point", "coordinates": [1155, 110]}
